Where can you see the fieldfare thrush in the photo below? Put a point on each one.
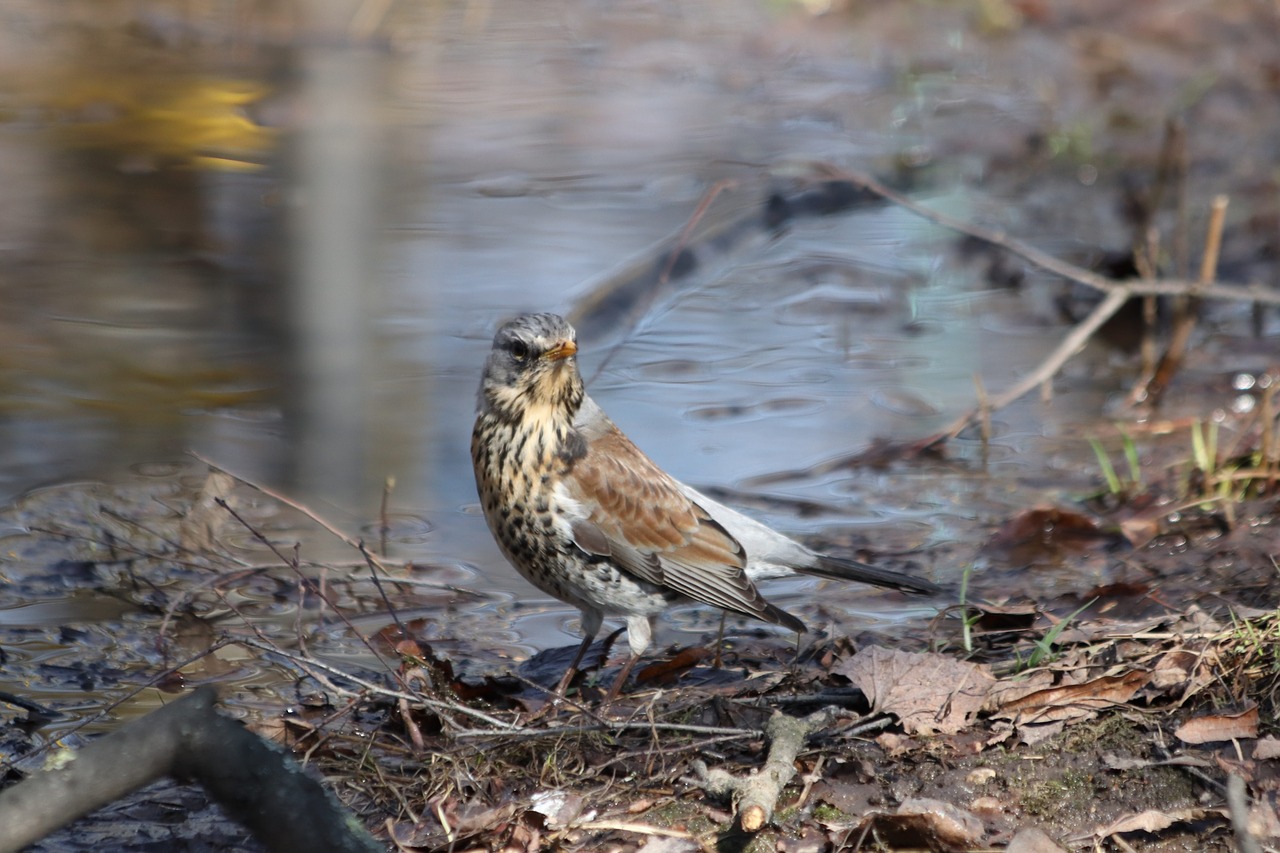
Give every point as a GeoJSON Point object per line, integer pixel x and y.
{"type": "Point", "coordinates": [586, 517]}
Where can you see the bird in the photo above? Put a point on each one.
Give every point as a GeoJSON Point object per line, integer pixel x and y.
{"type": "Point", "coordinates": [585, 516]}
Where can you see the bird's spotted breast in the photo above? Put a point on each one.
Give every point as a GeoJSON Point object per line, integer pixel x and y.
{"type": "Point", "coordinates": [520, 480]}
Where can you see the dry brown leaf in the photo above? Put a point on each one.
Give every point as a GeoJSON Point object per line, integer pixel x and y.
{"type": "Point", "coordinates": [1074, 701]}
{"type": "Point", "coordinates": [1173, 669]}
{"type": "Point", "coordinates": [1216, 727]}
{"type": "Point", "coordinates": [1032, 840]}
{"type": "Point", "coordinates": [666, 672]}
{"type": "Point", "coordinates": [1004, 618]}
{"type": "Point", "coordinates": [895, 744]}
{"type": "Point", "coordinates": [558, 807]}
{"type": "Point", "coordinates": [1267, 748]}
{"type": "Point", "coordinates": [1263, 821]}
{"type": "Point", "coordinates": [1140, 529]}
{"type": "Point", "coordinates": [1154, 821]}
{"type": "Point", "coordinates": [929, 693]}
{"type": "Point", "coordinates": [949, 824]}
{"type": "Point", "coordinates": [1044, 533]}
{"type": "Point", "coordinates": [1008, 690]}
{"type": "Point", "coordinates": [926, 824]}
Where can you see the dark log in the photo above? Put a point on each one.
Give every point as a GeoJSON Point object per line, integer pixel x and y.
{"type": "Point", "coordinates": [256, 781]}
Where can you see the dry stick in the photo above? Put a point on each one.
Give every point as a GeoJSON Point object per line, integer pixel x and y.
{"type": "Point", "coordinates": [677, 247]}
{"type": "Point", "coordinates": [1071, 344]}
{"type": "Point", "coordinates": [287, 501]}
{"type": "Point", "coordinates": [755, 795]}
{"type": "Point", "coordinates": [384, 524]}
{"type": "Point", "coordinates": [1188, 309]}
{"type": "Point", "coordinates": [1269, 458]}
{"type": "Point", "coordinates": [309, 666]}
{"type": "Point", "coordinates": [637, 828]}
{"type": "Point", "coordinates": [717, 732]}
{"type": "Point", "coordinates": [1057, 266]}
{"type": "Point", "coordinates": [654, 752]}
{"type": "Point", "coordinates": [1124, 846]}
{"type": "Point", "coordinates": [295, 564]}
{"type": "Point", "coordinates": [1147, 262]}
{"type": "Point", "coordinates": [370, 560]}
{"type": "Point", "coordinates": [312, 667]}
{"type": "Point", "coordinates": [1117, 292]}
{"type": "Point", "coordinates": [1170, 170]}
{"type": "Point", "coordinates": [700, 211]}
{"type": "Point", "coordinates": [1181, 237]}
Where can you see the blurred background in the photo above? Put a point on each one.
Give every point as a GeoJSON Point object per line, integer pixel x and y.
{"type": "Point", "coordinates": [281, 234]}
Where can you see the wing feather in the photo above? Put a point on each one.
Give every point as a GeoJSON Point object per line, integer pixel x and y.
{"type": "Point", "coordinates": [656, 533]}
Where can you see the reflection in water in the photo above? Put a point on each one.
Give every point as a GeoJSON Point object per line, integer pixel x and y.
{"type": "Point", "coordinates": [335, 212]}
{"type": "Point", "coordinates": [142, 315]}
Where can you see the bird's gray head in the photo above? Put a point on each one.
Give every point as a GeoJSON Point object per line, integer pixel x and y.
{"type": "Point", "coordinates": [532, 370]}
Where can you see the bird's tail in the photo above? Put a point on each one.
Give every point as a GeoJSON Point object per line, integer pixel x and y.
{"type": "Point", "coordinates": [852, 570]}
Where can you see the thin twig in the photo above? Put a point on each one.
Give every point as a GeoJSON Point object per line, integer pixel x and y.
{"type": "Point", "coordinates": [699, 212]}
{"type": "Point", "coordinates": [613, 727]}
{"type": "Point", "coordinates": [1054, 361]}
{"type": "Point", "coordinates": [1148, 263]}
{"type": "Point", "coordinates": [309, 666]}
{"type": "Point", "coordinates": [1164, 287]}
{"type": "Point", "coordinates": [287, 501]}
{"type": "Point", "coordinates": [1187, 311]}
{"type": "Point", "coordinates": [384, 523]}
{"type": "Point", "coordinates": [637, 828]}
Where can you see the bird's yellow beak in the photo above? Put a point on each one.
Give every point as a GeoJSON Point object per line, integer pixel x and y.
{"type": "Point", "coordinates": [561, 350]}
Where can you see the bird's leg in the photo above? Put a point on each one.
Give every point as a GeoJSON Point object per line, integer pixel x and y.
{"type": "Point", "coordinates": [562, 689]}
{"type": "Point", "coordinates": [719, 661]}
{"type": "Point", "coordinates": [621, 680]}
{"type": "Point", "coordinates": [639, 634]}
{"type": "Point", "coordinates": [795, 657]}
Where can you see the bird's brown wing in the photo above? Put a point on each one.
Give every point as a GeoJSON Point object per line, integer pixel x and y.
{"type": "Point", "coordinates": [638, 515]}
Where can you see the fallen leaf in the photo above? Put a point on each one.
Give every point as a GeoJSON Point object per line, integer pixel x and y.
{"type": "Point", "coordinates": [1267, 748]}
{"type": "Point", "coordinates": [1154, 821]}
{"type": "Point", "coordinates": [1173, 669]}
{"type": "Point", "coordinates": [980, 776]}
{"type": "Point", "coordinates": [666, 672]}
{"type": "Point", "coordinates": [1216, 727]}
{"type": "Point", "coordinates": [558, 808]}
{"type": "Point", "coordinates": [1002, 619]}
{"type": "Point", "coordinates": [894, 744]}
{"type": "Point", "coordinates": [1008, 690]}
{"type": "Point", "coordinates": [1141, 528]}
{"type": "Point", "coordinates": [929, 693]}
{"type": "Point", "coordinates": [1264, 823]}
{"type": "Point", "coordinates": [1040, 732]}
{"type": "Point", "coordinates": [1032, 840]}
{"type": "Point", "coordinates": [1074, 701]}
{"type": "Point", "coordinates": [1044, 532]}
{"type": "Point", "coordinates": [951, 825]}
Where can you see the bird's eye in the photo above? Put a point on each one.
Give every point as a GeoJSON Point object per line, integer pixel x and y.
{"type": "Point", "coordinates": [519, 350]}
